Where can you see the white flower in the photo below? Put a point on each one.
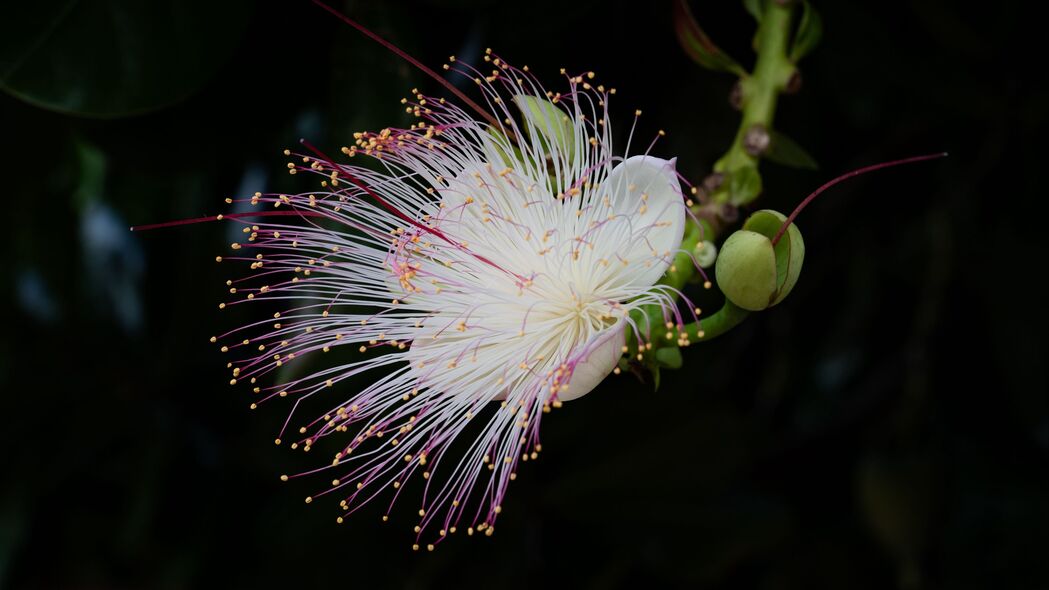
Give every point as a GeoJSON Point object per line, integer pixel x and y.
{"type": "Point", "coordinates": [471, 266]}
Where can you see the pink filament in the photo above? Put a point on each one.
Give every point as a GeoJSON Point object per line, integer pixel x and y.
{"type": "Point", "coordinates": [847, 175]}
{"type": "Point", "coordinates": [400, 53]}
{"type": "Point", "coordinates": [220, 218]}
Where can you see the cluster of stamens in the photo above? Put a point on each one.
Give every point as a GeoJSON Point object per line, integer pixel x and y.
{"type": "Point", "coordinates": [456, 274]}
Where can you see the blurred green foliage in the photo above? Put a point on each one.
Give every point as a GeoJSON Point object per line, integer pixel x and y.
{"type": "Point", "coordinates": [118, 57]}
{"type": "Point", "coordinates": [885, 426]}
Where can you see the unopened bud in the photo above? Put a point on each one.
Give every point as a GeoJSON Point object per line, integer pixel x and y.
{"type": "Point", "coordinates": [735, 96]}
{"type": "Point", "coordinates": [705, 253]}
{"type": "Point", "coordinates": [713, 181]}
{"type": "Point", "coordinates": [757, 140]}
{"type": "Point", "coordinates": [753, 273]}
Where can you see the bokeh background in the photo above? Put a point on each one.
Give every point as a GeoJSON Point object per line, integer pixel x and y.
{"type": "Point", "coordinates": [885, 427]}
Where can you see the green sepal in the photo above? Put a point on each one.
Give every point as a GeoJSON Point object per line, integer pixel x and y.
{"type": "Point", "coordinates": [744, 185]}
{"type": "Point", "coordinates": [669, 357]}
{"type": "Point", "coordinates": [514, 157]}
{"type": "Point", "coordinates": [751, 272]}
{"type": "Point", "coordinates": [550, 123]}
{"type": "Point", "coordinates": [746, 270]}
{"type": "Point", "coordinates": [789, 251]}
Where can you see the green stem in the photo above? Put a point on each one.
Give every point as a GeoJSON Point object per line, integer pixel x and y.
{"type": "Point", "coordinates": [761, 89]}
{"type": "Point", "coordinates": [680, 272]}
{"type": "Point", "coordinates": [726, 318]}
{"type": "Point", "coordinates": [772, 73]}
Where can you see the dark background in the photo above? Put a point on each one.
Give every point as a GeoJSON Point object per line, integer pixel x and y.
{"type": "Point", "coordinates": [886, 426]}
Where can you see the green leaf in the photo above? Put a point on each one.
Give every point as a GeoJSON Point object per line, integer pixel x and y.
{"type": "Point", "coordinates": [744, 185]}
{"type": "Point", "coordinates": [755, 7]}
{"type": "Point", "coordinates": [92, 164]}
{"type": "Point", "coordinates": [697, 44]}
{"type": "Point", "coordinates": [809, 32]}
{"type": "Point", "coordinates": [787, 152]}
{"type": "Point", "coordinates": [897, 497]}
{"type": "Point", "coordinates": [115, 58]}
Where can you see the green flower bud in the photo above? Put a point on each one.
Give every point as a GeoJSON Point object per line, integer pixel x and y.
{"type": "Point", "coordinates": [746, 270]}
{"type": "Point", "coordinates": [705, 253]}
{"type": "Point", "coordinates": [751, 272]}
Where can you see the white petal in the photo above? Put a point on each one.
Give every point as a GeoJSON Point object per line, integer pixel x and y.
{"type": "Point", "coordinates": [646, 191]}
{"type": "Point", "coordinates": [605, 350]}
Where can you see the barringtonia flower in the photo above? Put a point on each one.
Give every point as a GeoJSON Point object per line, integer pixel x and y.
{"type": "Point", "coordinates": [480, 273]}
